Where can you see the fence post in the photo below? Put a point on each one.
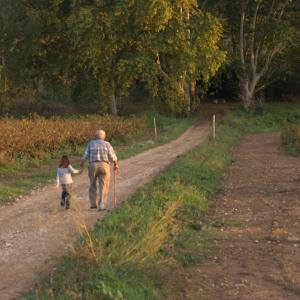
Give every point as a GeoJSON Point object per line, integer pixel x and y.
{"type": "Point", "coordinates": [214, 126]}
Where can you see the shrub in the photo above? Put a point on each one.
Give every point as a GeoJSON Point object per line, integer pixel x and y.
{"type": "Point", "coordinates": [290, 138]}
{"type": "Point", "coordinates": [36, 136]}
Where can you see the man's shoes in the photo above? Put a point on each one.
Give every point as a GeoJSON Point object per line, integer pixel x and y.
{"type": "Point", "coordinates": [101, 209]}
{"type": "Point", "coordinates": [93, 207]}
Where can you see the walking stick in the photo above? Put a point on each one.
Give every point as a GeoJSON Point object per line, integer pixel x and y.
{"type": "Point", "coordinates": [115, 199]}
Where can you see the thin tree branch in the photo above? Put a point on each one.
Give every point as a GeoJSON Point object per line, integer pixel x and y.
{"type": "Point", "coordinates": [165, 75]}
{"type": "Point", "coordinates": [283, 9]}
{"type": "Point", "coordinates": [277, 48]}
{"type": "Point", "coordinates": [271, 9]}
{"type": "Point", "coordinates": [242, 24]}
{"type": "Point", "coordinates": [203, 4]}
{"type": "Point", "coordinates": [252, 53]}
{"type": "Point", "coordinates": [268, 60]}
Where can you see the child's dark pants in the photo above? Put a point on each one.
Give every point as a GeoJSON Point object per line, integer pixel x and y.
{"type": "Point", "coordinates": [66, 195]}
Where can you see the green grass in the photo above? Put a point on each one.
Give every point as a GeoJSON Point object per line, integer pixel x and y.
{"type": "Point", "coordinates": [160, 225]}
{"type": "Point", "coordinates": [25, 175]}
{"type": "Point", "coordinates": [191, 245]}
{"type": "Point", "coordinates": [168, 129]}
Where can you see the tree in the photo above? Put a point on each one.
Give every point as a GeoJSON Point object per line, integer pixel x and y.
{"type": "Point", "coordinates": [284, 79]}
{"type": "Point", "coordinates": [167, 45]}
{"type": "Point", "coordinates": [180, 45]}
{"type": "Point", "coordinates": [33, 43]}
{"type": "Point", "coordinates": [258, 33]}
{"type": "Point", "coordinates": [106, 47]}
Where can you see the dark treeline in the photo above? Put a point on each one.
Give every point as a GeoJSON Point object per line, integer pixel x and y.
{"type": "Point", "coordinates": [96, 53]}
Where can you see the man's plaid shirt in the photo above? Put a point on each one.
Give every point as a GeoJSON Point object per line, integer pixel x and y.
{"type": "Point", "coordinates": [99, 150]}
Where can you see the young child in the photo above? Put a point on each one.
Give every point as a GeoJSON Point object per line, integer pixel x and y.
{"type": "Point", "coordinates": [64, 178]}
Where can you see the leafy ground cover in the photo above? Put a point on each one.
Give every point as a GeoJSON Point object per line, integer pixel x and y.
{"type": "Point", "coordinates": [23, 171]}
{"type": "Point", "coordinates": [131, 253]}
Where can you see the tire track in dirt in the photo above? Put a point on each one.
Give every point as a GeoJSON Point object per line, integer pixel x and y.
{"type": "Point", "coordinates": [259, 256]}
{"type": "Point", "coordinates": [35, 232]}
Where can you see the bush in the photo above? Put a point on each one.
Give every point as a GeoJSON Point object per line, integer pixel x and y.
{"type": "Point", "coordinates": [290, 138]}
{"type": "Point", "coordinates": [37, 136]}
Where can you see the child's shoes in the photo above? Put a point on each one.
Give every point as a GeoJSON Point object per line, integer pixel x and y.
{"type": "Point", "coordinates": [67, 202]}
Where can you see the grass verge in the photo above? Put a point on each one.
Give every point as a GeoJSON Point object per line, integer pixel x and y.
{"type": "Point", "coordinates": [27, 174]}
{"type": "Point", "coordinates": [159, 229]}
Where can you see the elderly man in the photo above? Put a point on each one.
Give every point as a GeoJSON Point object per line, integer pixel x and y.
{"type": "Point", "coordinates": [99, 154]}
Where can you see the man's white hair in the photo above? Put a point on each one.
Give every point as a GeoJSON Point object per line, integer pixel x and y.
{"type": "Point", "coordinates": [100, 134]}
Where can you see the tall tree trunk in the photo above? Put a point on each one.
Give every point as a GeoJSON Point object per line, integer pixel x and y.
{"type": "Point", "coordinates": [248, 91]}
{"type": "Point", "coordinates": [187, 96]}
{"type": "Point", "coordinates": [187, 84]}
{"type": "Point", "coordinates": [77, 91]}
{"type": "Point", "coordinates": [3, 76]}
{"type": "Point", "coordinates": [119, 96]}
{"type": "Point", "coordinates": [113, 98]}
{"type": "Point", "coordinates": [193, 91]}
{"type": "Point", "coordinates": [246, 96]}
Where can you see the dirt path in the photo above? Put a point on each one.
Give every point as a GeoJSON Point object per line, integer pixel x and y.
{"type": "Point", "coordinates": [257, 219]}
{"type": "Point", "coordinates": [35, 232]}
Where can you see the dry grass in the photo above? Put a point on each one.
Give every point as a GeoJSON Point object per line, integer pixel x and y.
{"type": "Point", "coordinates": [89, 248]}
{"type": "Point", "coordinates": [153, 240]}
{"type": "Point", "coordinates": [138, 252]}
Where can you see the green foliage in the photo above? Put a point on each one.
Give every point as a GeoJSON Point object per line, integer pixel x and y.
{"type": "Point", "coordinates": [95, 51]}
{"type": "Point", "coordinates": [169, 128]}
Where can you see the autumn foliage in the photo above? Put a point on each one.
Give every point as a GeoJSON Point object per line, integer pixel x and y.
{"type": "Point", "coordinates": [37, 136]}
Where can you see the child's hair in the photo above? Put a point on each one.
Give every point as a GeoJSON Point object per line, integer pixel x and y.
{"type": "Point", "coordinates": [64, 161]}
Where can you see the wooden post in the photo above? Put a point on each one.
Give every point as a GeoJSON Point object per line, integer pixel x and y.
{"type": "Point", "coordinates": [155, 128]}
{"type": "Point", "coordinates": [214, 126]}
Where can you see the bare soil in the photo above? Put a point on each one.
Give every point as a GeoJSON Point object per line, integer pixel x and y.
{"type": "Point", "coordinates": [36, 231]}
{"type": "Point", "coordinates": [257, 223]}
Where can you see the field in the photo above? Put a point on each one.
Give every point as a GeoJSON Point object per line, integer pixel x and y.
{"type": "Point", "coordinates": [31, 148]}
{"type": "Point", "coordinates": [161, 229]}
{"type": "Point", "coordinates": [39, 137]}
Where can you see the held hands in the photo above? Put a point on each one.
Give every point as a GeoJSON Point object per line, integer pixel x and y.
{"type": "Point", "coordinates": [82, 163]}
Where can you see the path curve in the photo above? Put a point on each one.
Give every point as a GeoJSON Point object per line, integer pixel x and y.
{"type": "Point", "coordinates": [35, 232]}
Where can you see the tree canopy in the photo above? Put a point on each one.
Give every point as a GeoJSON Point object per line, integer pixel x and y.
{"type": "Point", "coordinates": [95, 52]}
{"type": "Point", "coordinates": [69, 47]}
